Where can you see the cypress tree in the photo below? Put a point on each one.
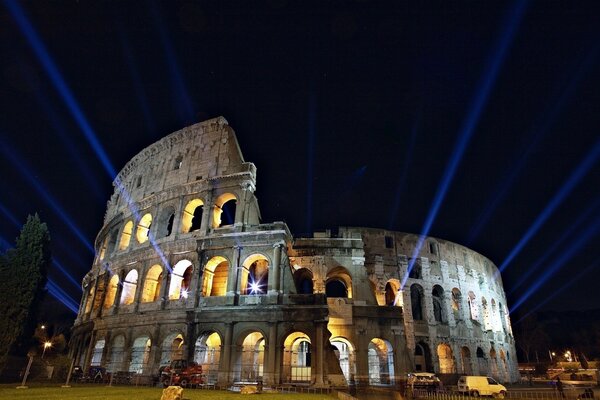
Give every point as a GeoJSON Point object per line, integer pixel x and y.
{"type": "Point", "coordinates": [23, 272]}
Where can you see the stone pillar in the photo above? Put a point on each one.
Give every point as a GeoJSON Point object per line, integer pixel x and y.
{"type": "Point", "coordinates": [96, 283]}
{"type": "Point", "coordinates": [164, 289]}
{"type": "Point", "coordinates": [319, 361]}
{"type": "Point", "coordinates": [107, 350]}
{"type": "Point", "coordinates": [139, 288]}
{"type": "Point", "coordinates": [206, 223]}
{"type": "Point", "coordinates": [273, 283]}
{"type": "Point", "coordinates": [90, 349]}
{"type": "Point", "coordinates": [157, 348]}
{"type": "Point", "coordinates": [362, 358]}
{"type": "Point", "coordinates": [235, 271]}
{"type": "Point", "coordinates": [196, 286]}
{"type": "Point", "coordinates": [225, 368]}
{"type": "Point", "coordinates": [271, 356]}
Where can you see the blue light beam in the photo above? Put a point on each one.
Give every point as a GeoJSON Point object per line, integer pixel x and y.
{"type": "Point", "coordinates": [550, 270]}
{"type": "Point", "coordinates": [557, 245]}
{"type": "Point", "coordinates": [62, 269]}
{"type": "Point", "coordinates": [581, 170]}
{"type": "Point", "coordinates": [26, 172]}
{"type": "Point", "coordinates": [510, 25]}
{"type": "Point", "coordinates": [62, 296]}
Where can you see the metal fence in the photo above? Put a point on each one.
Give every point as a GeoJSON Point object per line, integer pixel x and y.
{"type": "Point", "coordinates": [542, 394]}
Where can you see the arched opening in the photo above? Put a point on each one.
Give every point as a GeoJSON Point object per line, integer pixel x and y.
{"type": "Point", "coordinates": [172, 349]}
{"type": "Point", "coordinates": [152, 284]}
{"type": "Point", "coordinates": [456, 299]}
{"type": "Point", "coordinates": [416, 302]}
{"type": "Point", "coordinates": [207, 352]}
{"type": "Point", "coordinates": [303, 278]}
{"type": "Point", "coordinates": [143, 228]}
{"type": "Point", "coordinates": [250, 361]}
{"type": "Point", "coordinates": [89, 301]}
{"type": "Point", "coordinates": [215, 277]}
{"type": "Point", "coordinates": [487, 325]}
{"type": "Point", "coordinates": [338, 283]}
{"type": "Point", "coordinates": [111, 291]}
{"type": "Point", "coordinates": [381, 362]}
{"type": "Point", "coordinates": [97, 354]}
{"type": "Point", "coordinates": [126, 235]}
{"type": "Point", "coordinates": [102, 252]}
{"type": "Point", "coordinates": [393, 295]}
{"type": "Point", "coordinates": [140, 355]}
{"type": "Point", "coordinates": [165, 222]}
{"type": "Point", "coordinates": [297, 358]}
{"type": "Point", "coordinates": [181, 278]}
{"type": "Point", "coordinates": [493, 363]}
{"type": "Point", "coordinates": [465, 356]}
{"type": "Point", "coordinates": [481, 362]}
{"type": "Point", "coordinates": [344, 350]}
{"type": "Point", "coordinates": [473, 309]}
{"type": "Point", "coordinates": [415, 272]}
{"type": "Point", "coordinates": [446, 358]}
{"type": "Point", "coordinates": [437, 297]}
{"type": "Point", "coordinates": [504, 376]}
{"type": "Point", "coordinates": [129, 288]}
{"type": "Point", "coordinates": [255, 275]}
{"type": "Point", "coordinates": [423, 358]}
{"type": "Point", "coordinates": [117, 354]}
{"type": "Point", "coordinates": [191, 219]}
{"type": "Point", "coordinates": [224, 210]}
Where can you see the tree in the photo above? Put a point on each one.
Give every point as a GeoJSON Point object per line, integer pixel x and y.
{"type": "Point", "coordinates": [23, 273]}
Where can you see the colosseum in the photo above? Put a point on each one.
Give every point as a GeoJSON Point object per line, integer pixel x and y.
{"type": "Point", "coordinates": [185, 269]}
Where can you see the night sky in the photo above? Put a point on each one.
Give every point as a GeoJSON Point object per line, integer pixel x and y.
{"type": "Point", "coordinates": [353, 113]}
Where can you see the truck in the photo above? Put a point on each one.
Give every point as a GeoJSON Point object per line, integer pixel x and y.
{"type": "Point", "coordinates": [481, 386]}
{"type": "Point", "coordinates": [182, 373]}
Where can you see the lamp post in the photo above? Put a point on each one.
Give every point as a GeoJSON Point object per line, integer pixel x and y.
{"type": "Point", "coordinates": [46, 346]}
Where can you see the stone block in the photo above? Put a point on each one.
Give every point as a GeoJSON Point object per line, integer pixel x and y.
{"type": "Point", "coordinates": [172, 393]}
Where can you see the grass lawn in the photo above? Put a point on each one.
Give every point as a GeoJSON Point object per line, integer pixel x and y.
{"type": "Point", "coordinates": [137, 393]}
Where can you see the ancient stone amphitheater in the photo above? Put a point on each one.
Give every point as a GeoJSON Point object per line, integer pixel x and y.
{"type": "Point", "coordinates": [185, 269]}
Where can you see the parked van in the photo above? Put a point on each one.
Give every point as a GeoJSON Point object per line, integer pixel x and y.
{"type": "Point", "coordinates": [481, 386]}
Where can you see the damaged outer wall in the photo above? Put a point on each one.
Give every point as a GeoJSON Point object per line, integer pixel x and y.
{"type": "Point", "coordinates": [204, 162]}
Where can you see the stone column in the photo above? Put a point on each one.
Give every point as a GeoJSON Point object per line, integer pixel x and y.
{"type": "Point", "coordinates": [273, 283]}
{"type": "Point", "coordinates": [320, 356]}
{"type": "Point", "coordinates": [139, 288]}
{"type": "Point", "coordinates": [234, 275]}
{"type": "Point", "coordinates": [271, 353]}
{"type": "Point", "coordinates": [157, 348]}
{"type": "Point", "coordinates": [196, 286]}
{"type": "Point", "coordinates": [207, 208]}
{"type": "Point", "coordinates": [164, 289]}
{"type": "Point", "coordinates": [362, 358]}
{"type": "Point", "coordinates": [224, 377]}
{"type": "Point", "coordinates": [96, 283]}
{"type": "Point", "coordinates": [107, 350]}
{"type": "Point", "coordinates": [90, 349]}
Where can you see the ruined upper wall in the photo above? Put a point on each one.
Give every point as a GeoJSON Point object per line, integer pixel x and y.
{"type": "Point", "coordinates": [198, 152]}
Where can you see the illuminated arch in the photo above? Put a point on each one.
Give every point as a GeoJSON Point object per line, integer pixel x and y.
{"type": "Point", "coordinates": [381, 362]}
{"type": "Point", "coordinates": [215, 277]}
{"type": "Point", "coordinates": [117, 354]}
{"type": "Point", "coordinates": [224, 204]}
{"type": "Point", "coordinates": [423, 358]}
{"type": "Point", "coordinates": [181, 278]}
{"type": "Point", "coordinates": [473, 309]}
{"type": "Point", "coordinates": [89, 301]}
{"type": "Point", "coordinates": [192, 216]}
{"type": "Point", "coordinates": [255, 275]}
{"type": "Point", "coordinates": [393, 295]}
{"type": "Point", "coordinates": [344, 350]}
{"type": "Point", "coordinates": [143, 228]}
{"type": "Point", "coordinates": [207, 353]}
{"type": "Point", "coordinates": [172, 348]}
{"type": "Point", "coordinates": [129, 287]}
{"type": "Point", "coordinates": [111, 291]}
{"type": "Point", "coordinates": [97, 354]}
{"type": "Point", "coordinates": [297, 358]}
{"type": "Point", "coordinates": [250, 360]}
{"type": "Point", "coordinates": [140, 354]}
{"type": "Point", "coordinates": [446, 358]}
{"type": "Point", "coordinates": [126, 235]}
{"type": "Point", "coordinates": [337, 282]}
{"type": "Point", "coordinates": [152, 284]}
{"type": "Point", "coordinates": [303, 278]}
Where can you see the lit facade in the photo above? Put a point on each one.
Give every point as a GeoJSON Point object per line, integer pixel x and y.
{"type": "Point", "coordinates": [185, 270]}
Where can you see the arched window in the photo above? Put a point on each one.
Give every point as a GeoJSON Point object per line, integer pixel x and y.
{"type": "Point", "coordinates": [437, 297]}
{"type": "Point", "coordinates": [250, 363]}
{"type": "Point", "coordinates": [117, 354]}
{"type": "Point", "coordinates": [143, 229]}
{"type": "Point", "coordinates": [381, 362]}
{"type": "Point", "coordinates": [456, 299]}
{"type": "Point", "coordinates": [255, 275]}
{"type": "Point", "coordinates": [338, 283]}
{"type": "Point", "coordinates": [465, 355]}
{"type": "Point", "coordinates": [344, 350]}
{"type": "Point", "coordinates": [416, 302]}
{"type": "Point", "coordinates": [97, 354]}
{"type": "Point", "coordinates": [165, 222]}
{"type": "Point", "coordinates": [89, 301]}
{"type": "Point", "coordinates": [180, 280]}
{"type": "Point", "coordinates": [224, 210]}
{"type": "Point", "coordinates": [446, 358]}
{"type": "Point", "coordinates": [473, 309]}
{"type": "Point", "coordinates": [297, 358]}
{"type": "Point", "coordinates": [140, 354]}
{"type": "Point", "coordinates": [207, 353]}
{"type": "Point", "coordinates": [415, 272]}
{"type": "Point", "coordinates": [192, 216]}
{"type": "Point", "coordinates": [129, 287]}
{"type": "Point", "coordinates": [126, 235]}
{"type": "Point", "coordinates": [422, 358]}
{"type": "Point", "coordinates": [111, 291]}
{"type": "Point", "coordinates": [303, 278]}
{"type": "Point", "coordinates": [215, 277]}
{"type": "Point", "coordinates": [152, 284]}
{"type": "Point", "coordinates": [393, 296]}
{"type": "Point", "coordinates": [172, 348]}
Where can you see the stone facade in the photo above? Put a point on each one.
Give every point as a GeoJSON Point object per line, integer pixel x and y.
{"type": "Point", "coordinates": [185, 270]}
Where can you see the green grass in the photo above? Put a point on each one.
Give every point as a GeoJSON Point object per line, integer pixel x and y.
{"type": "Point", "coordinates": [137, 393]}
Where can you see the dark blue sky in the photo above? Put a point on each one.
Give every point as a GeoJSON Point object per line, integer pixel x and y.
{"type": "Point", "coordinates": [351, 111]}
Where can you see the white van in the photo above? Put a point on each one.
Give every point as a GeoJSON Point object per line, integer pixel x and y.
{"type": "Point", "coordinates": [481, 386]}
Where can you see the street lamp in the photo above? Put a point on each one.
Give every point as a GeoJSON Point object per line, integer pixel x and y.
{"type": "Point", "coordinates": [46, 346]}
